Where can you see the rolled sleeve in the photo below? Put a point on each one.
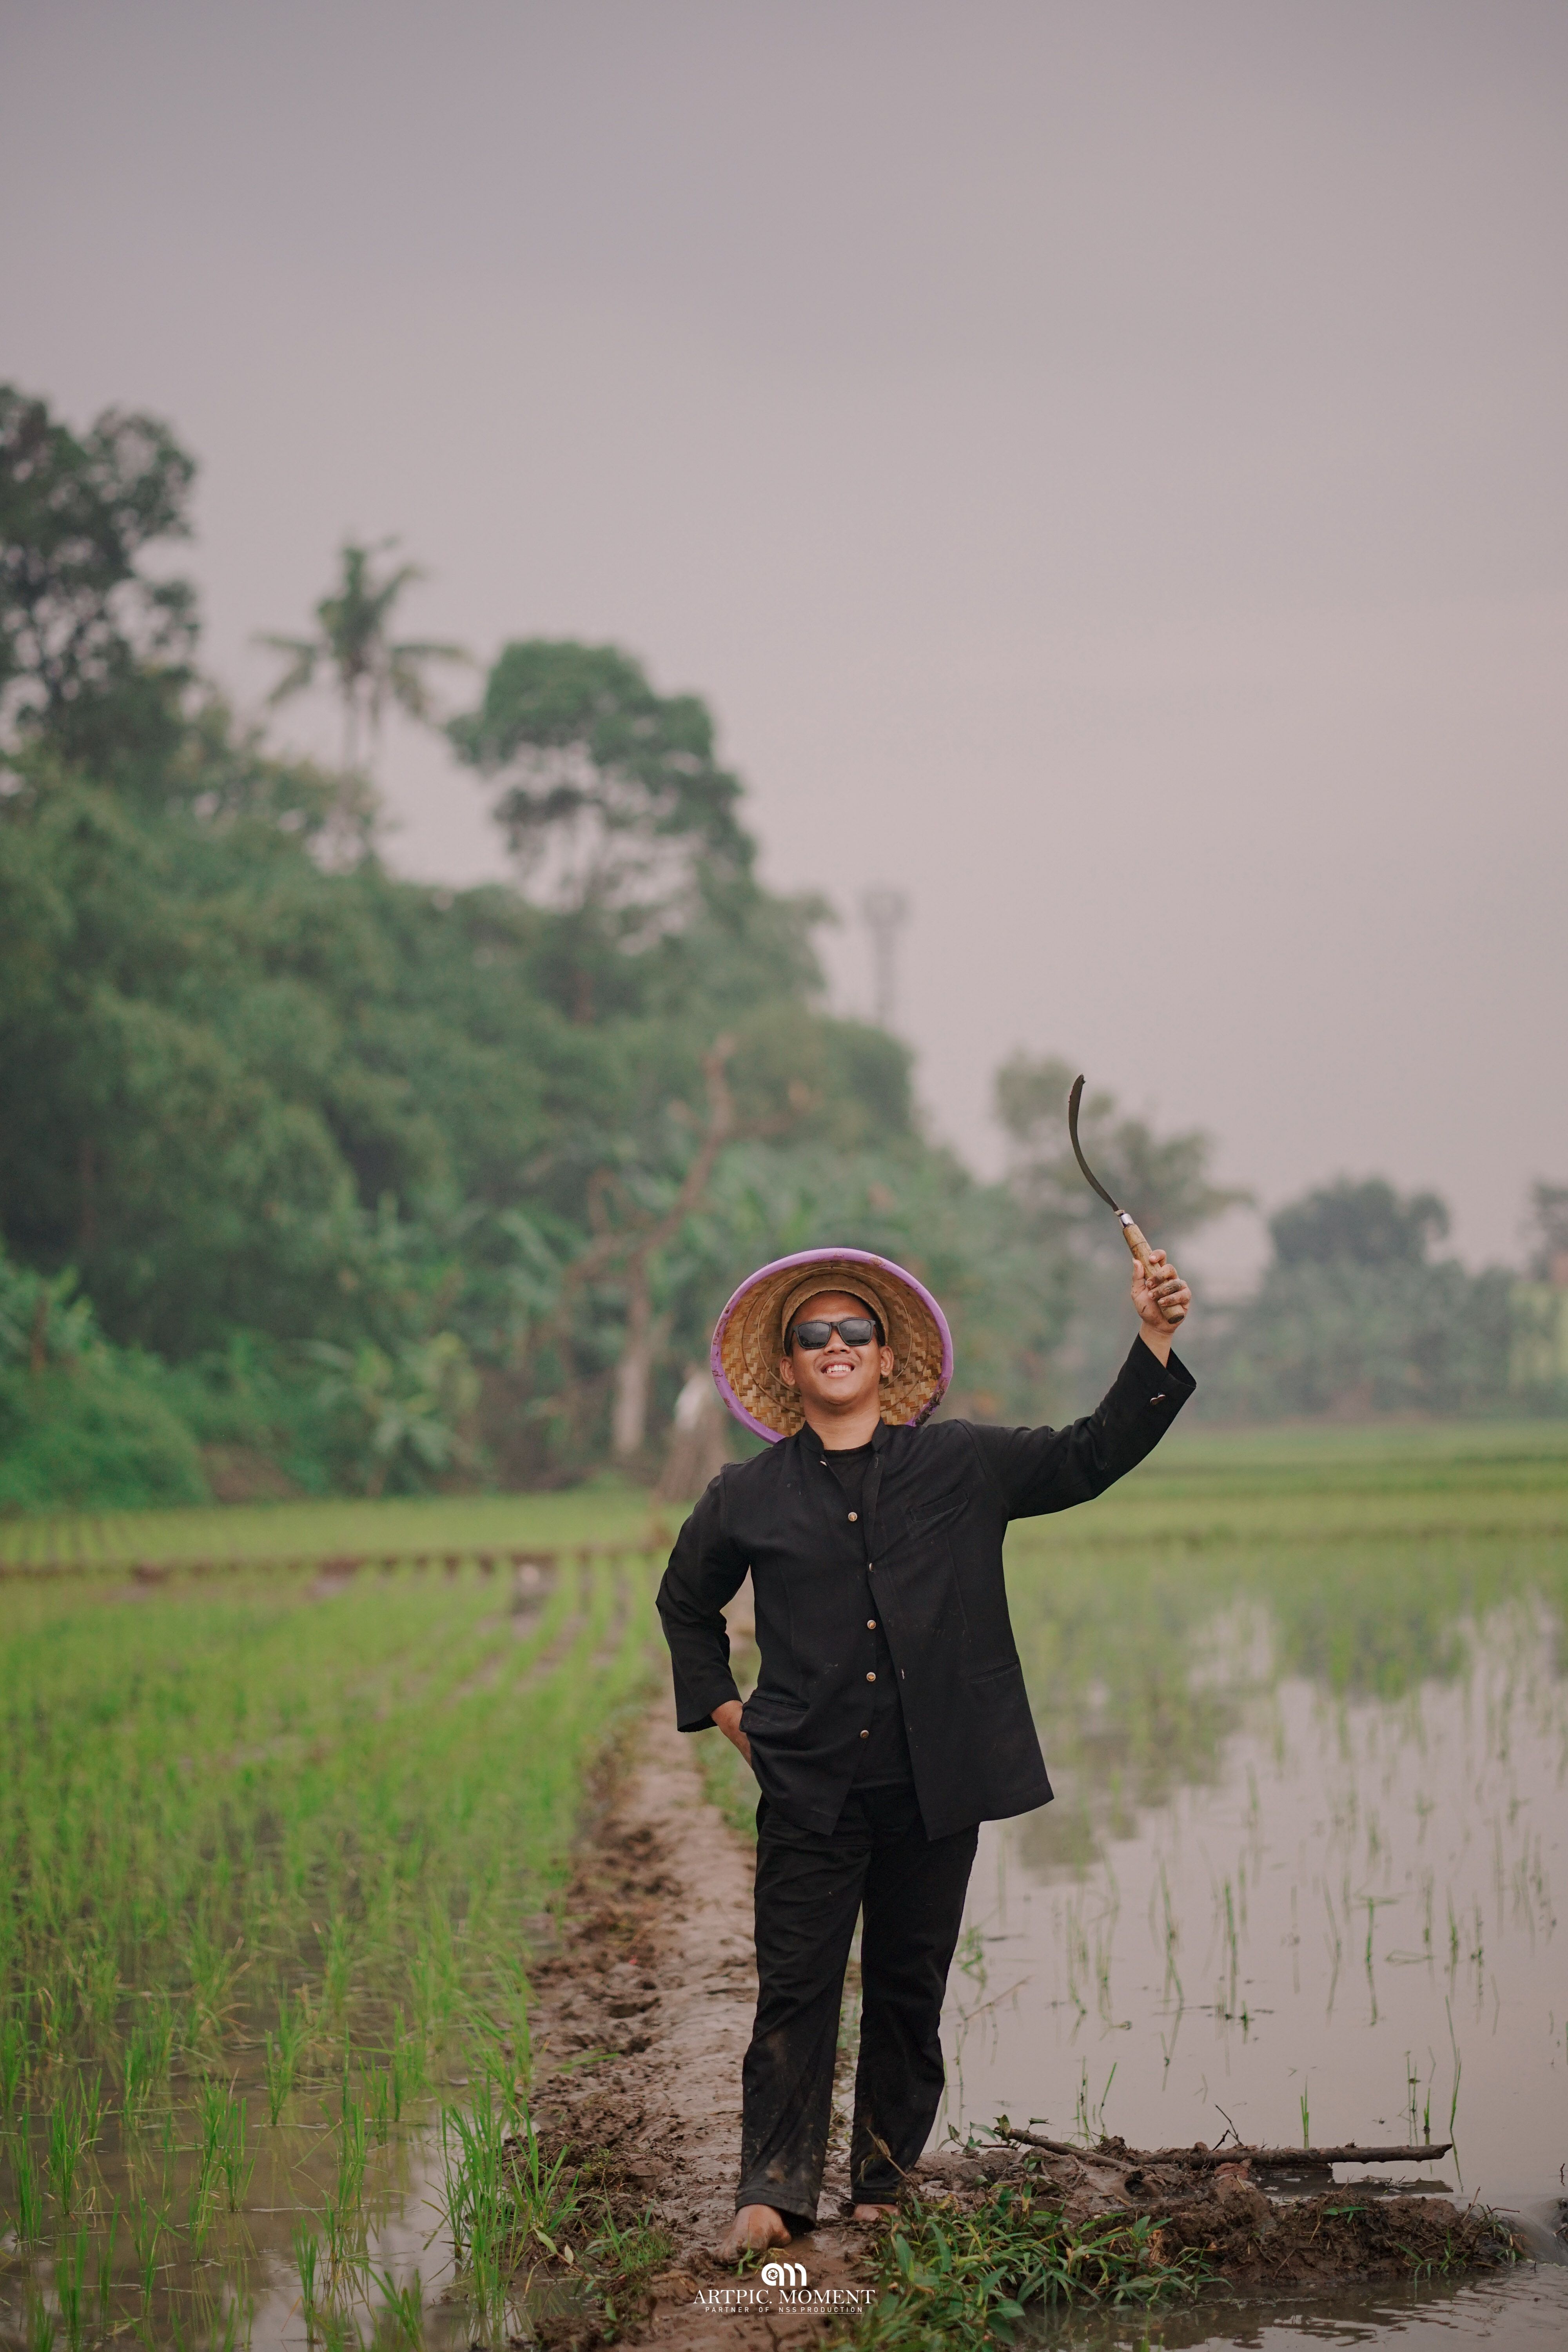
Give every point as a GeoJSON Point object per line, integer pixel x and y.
{"type": "Point", "coordinates": [706, 1570]}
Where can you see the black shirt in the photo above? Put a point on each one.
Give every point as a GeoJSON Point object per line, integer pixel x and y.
{"type": "Point", "coordinates": [926, 1541]}
{"type": "Point", "coordinates": [884, 1761]}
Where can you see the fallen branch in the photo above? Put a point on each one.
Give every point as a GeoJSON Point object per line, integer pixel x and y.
{"type": "Point", "coordinates": [1292, 2159]}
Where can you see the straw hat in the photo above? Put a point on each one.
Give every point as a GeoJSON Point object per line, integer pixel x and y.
{"type": "Point", "coordinates": [748, 1339]}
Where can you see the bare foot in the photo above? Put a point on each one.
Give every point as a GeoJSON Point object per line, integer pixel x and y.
{"type": "Point", "coordinates": [872, 2212]}
{"type": "Point", "coordinates": [754, 2228]}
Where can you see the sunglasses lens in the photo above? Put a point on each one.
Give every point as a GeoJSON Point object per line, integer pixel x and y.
{"type": "Point", "coordinates": [855, 1330]}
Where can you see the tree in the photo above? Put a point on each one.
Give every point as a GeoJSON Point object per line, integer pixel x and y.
{"type": "Point", "coordinates": [1358, 1224]}
{"type": "Point", "coordinates": [611, 797]}
{"type": "Point", "coordinates": [94, 656]}
{"type": "Point", "coordinates": [1353, 1316]}
{"type": "Point", "coordinates": [1163, 1180]}
{"type": "Point", "coordinates": [633, 1245]}
{"type": "Point", "coordinates": [370, 668]}
{"type": "Point", "coordinates": [1549, 1231]}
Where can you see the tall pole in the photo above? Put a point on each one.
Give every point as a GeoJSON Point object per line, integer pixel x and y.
{"type": "Point", "coordinates": [885, 912]}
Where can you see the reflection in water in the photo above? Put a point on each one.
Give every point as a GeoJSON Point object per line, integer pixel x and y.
{"type": "Point", "coordinates": [1527, 2311]}
{"type": "Point", "coordinates": [1301, 1903]}
{"type": "Point", "coordinates": [163, 2254]}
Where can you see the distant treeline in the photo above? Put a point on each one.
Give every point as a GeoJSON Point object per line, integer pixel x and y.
{"type": "Point", "coordinates": [312, 1177]}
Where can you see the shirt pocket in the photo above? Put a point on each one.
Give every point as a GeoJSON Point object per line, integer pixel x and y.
{"type": "Point", "coordinates": [771, 1713]}
{"type": "Point", "coordinates": [926, 1519]}
{"type": "Point", "coordinates": [991, 1680]}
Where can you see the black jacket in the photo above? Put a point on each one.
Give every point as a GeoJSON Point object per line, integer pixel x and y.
{"type": "Point", "coordinates": [937, 1503]}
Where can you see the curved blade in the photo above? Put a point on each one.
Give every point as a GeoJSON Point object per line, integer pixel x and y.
{"type": "Point", "coordinates": [1073, 1101]}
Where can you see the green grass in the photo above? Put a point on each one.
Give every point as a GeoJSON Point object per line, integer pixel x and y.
{"type": "Point", "coordinates": [608, 1511]}
{"type": "Point", "coordinates": [947, 2275]}
{"type": "Point", "coordinates": [272, 1854]}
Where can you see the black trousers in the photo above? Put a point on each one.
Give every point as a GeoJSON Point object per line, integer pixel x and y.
{"type": "Point", "coordinates": [809, 1891]}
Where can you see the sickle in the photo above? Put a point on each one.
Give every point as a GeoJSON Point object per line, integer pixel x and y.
{"type": "Point", "coordinates": [1129, 1233]}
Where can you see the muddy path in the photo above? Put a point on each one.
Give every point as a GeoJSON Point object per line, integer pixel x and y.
{"type": "Point", "coordinates": [642, 2015]}
{"type": "Point", "coordinates": [655, 1969]}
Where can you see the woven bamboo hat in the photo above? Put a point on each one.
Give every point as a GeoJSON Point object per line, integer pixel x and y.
{"type": "Point", "coordinates": [748, 1339]}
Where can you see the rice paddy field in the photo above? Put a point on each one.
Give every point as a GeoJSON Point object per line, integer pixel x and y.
{"type": "Point", "coordinates": [1303, 1698]}
{"type": "Point", "coordinates": [286, 1795]}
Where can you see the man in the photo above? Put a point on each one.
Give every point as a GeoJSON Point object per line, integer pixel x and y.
{"type": "Point", "coordinates": [890, 1718]}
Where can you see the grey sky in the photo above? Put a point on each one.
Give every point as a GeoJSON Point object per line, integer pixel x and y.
{"type": "Point", "coordinates": [1105, 466]}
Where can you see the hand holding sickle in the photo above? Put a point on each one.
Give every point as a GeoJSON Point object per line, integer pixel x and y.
{"type": "Point", "coordinates": [1158, 1291]}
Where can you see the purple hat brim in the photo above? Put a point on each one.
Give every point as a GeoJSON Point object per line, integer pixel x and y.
{"type": "Point", "coordinates": [873, 1263]}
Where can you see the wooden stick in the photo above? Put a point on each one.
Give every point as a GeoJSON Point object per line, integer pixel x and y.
{"type": "Point", "coordinates": [1292, 2159]}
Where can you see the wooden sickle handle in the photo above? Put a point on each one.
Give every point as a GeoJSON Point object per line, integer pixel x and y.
{"type": "Point", "coordinates": [1145, 1257]}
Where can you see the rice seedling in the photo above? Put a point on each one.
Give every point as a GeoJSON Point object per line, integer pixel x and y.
{"type": "Point", "coordinates": [401, 2321]}
{"type": "Point", "coordinates": [473, 2146]}
{"type": "Point", "coordinates": [13, 2061]}
{"type": "Point", "coordinates": [214, 1968]}
{"type": "Point", "coordinates": [235, 2165]}
{"type": "Point", "coordinates": [40, 2322]}
{"type": "Point", "coordinates": [337, 1965]}
{"type": "Point", "coordinates": [66, 2146]}
{"type": "Point", "coordinates": [70, 2270]}
{"type": "Point", "coordinates": [378, 2107]}
{"type": "Point", "coordinates": [352, 2156]}
{"type": "Point", "coordinates": [546, 2190]}
{"type": "Point", "coordinates": [306, 2262]}
{"type": "Point", "coordinates": [145, 2064]}
{"type": "Point", "coordinates": [94, 1967]}
{"type": "Point", "coordinates": [282, 2044]}
{"type": "Point", "coordinates": [29, 2190]}
{"type": "Point", "coordinates": [407, 2073]}
{"type": "Point", "coordinates": [106, 2269]}
{"type": "Point", "coordinates": [89, 2098]}
{"type": "Point", "coordinates": [148, 2224]}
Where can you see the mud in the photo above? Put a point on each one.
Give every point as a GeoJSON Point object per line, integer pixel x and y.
{"type": "Point", "coordinates": [1252, 2233]}
{"type": "Point", "coordinates": [642, 2016]}
{"type": "Point", "coordinates": [643, 2011]}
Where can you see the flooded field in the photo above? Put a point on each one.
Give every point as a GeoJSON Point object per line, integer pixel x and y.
{"type": "Point", "coordinates": [285, 1795]}
{"type": "Point", "coordinates": [1305, 1706]}
{"type": "Point", "coordinates": [277, 1821]}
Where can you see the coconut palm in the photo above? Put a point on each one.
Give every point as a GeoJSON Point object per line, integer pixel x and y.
{"type": "Point", "coordinates": [352, 641]}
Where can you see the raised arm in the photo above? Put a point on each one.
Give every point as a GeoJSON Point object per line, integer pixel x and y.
{"type": "Point", "coordinates": [1039, 1470]}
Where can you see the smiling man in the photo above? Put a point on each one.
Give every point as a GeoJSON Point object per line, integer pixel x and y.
{"type": "Point", "coordinates": [890, 1718]}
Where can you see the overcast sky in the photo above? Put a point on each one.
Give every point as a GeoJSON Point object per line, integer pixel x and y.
{"type": "Point", "coordinates": [1103, 463]}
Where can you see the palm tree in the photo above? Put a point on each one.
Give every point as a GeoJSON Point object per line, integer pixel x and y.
{"type": "Point", "coordinates": [352, 641]}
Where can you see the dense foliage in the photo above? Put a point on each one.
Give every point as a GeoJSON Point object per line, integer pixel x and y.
{"type": "Point", "coordinates": [374, 1181]}
{"type": "Point", "coordinates": [1354, 1316]}
{"type": "Point", "coordinates": [356, 1180]}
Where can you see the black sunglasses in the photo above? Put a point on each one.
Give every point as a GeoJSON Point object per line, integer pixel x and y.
{"type": "Point", "coordinates": [855, 1330]}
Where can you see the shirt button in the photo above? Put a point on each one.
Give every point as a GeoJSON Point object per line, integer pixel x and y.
{"type": "Point", "coordinates": [854, 1515]}
{"type": "Point", "coordinates": [870, 1624]}
{"type": "Point", "coordinates": [865, 1735]}
{"type": "Point", "coordinates": [870, 1678]}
